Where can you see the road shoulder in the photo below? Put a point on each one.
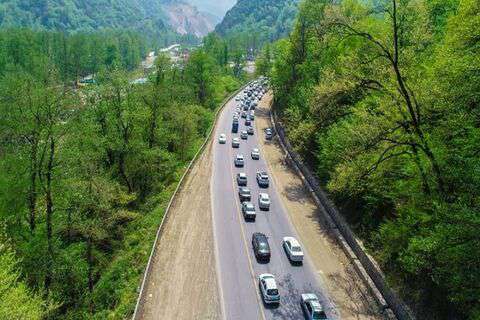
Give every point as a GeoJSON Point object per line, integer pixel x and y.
{"type": "Point", "coordinates": [346, 289]}
{"type": "Point", "coordinates": [183, 282]}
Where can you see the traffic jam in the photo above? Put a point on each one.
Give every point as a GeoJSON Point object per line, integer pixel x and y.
{"type": "Point", "coordinates": [246, 102]}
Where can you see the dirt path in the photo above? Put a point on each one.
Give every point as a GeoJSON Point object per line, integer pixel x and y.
{"type": "Point", "coordinates": [346, 289]}
{"type": "Point", "coordinates": [183, 283]}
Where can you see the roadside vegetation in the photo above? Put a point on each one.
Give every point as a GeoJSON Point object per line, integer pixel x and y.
{"type": "Point", "coordinates": [86, 173]}
{"type": "Point", "coordinates": [382, 99]}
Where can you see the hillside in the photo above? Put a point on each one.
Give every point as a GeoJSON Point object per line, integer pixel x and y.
{"type": "Point", "coordinates": [266, 20]}
{"type": "Point", "coordinates": [218, 8]}
{"type": "Point", "coordinates": [185, 18]}
{"type": "Point", "coordinates": [151, 17]}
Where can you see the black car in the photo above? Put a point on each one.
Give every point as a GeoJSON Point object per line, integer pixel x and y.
{"type": "Point", "coordinates": [260, 245]}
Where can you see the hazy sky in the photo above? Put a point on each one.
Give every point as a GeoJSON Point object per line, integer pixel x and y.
{"type": "Point", "coordinates": [216, 7]}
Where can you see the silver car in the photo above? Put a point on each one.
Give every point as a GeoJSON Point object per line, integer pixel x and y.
{"type": "Point", "coordinates": [255, 154]}
{"type": "Point", "coordinates": [242, 179]}
{"type": "Point", "coordinates": [312, 309]}
{"type": "Point", "coordinates": [264, 201]}
{"type": "Point", "coordinates": [235, 143]}
{"type": "Point", "coordinates": [268, 288]}
{"type": "Point", "coordinates": [244, 135]}
{"type": "Point", "coordinates": [239, 160]}
{"type": "Point", "coordinates": [293, 249]}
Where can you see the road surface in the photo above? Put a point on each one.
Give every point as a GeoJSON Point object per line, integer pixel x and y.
{"type": "Point", "coordinates": [237, 267]}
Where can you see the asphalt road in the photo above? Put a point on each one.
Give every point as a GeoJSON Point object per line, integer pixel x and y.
{"type": "Point", "coordinates": [237, 267]}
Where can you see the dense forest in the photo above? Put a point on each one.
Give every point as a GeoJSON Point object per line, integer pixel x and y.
{"type": "Point", "coordinates": [251, 24]}
{"type": "Point", "coordinates": [145, 16]}
{"type": "Point", "coordinates": [382, 99]}
{"type": "Point", "coordinates": [86, 173]}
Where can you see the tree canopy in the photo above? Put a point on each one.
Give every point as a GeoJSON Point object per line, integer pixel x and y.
{"type": "Point", "coordinates": [382, 100]}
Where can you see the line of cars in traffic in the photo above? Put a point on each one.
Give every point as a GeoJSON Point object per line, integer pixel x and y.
{"type": "Point", "coordinates": [247, 102]}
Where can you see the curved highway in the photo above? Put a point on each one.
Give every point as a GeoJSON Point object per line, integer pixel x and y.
{"type": "Point", "coordinates": [237, 267]}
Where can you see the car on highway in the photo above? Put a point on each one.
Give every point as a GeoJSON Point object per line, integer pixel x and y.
{"type": "Point", "coordinates": [250, 131]}
{"type": "Point", "coordinates": [239, 160]}
{"type": "Point", "coordinates": [268, 288]}
{"type": "Point", "coordinates": [248, 122]}
{"type": "Point", "coordinates": [262, 179]}
{"type": "Point", "coordinates": [264, 201]}
{"type": "Point", "coordinates": [268, 134]}
{"type": "Point", "coordinates": [244, 194]}
{"type": "Point", "coordinates": [260, 246]}
{"type": "Point", "coordinates": [293, 249]}
{"type": "Point", "coordinates": [244, 114]}
{"type": "Point", "coordinates": [244, 134]}
{"type": "Point", "coordinates": [235, 143]}
{"type": "Point", "coordinates": [312, 308]}
{"type": "Point", "coordinates": [248, 210]}
{"type": "Point", "coordinates": [255, 154]}
{"type": "Point", "coordinates": [252, 115]}
{"type": "Point", "coordinates": [237, 98]}
{"type": "Point", "coordinates": [242, 179]}
{"type": "Point", "coordinates": [222, 139]}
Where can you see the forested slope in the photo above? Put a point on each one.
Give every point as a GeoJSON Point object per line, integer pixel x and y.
{"type": "Point", "coordinates": [86, 173]}
{"type": "Point", "coordinates": [161, 21]}
{"type": "Point", "coordinates": [256, 22]}
{"type": "Point", "coordinates": [384, 103]}
{"type": "Point", "coordinates": [84, 15]}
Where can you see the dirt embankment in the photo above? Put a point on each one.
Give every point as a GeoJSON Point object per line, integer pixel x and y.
{"type": "Point", "coordinates": [183, 282]}
{"type": "Point", "coordinates": [345, 287]}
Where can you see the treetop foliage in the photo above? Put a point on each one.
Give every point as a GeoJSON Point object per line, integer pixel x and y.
{"type": "Point", "coordinates": [382, 99]}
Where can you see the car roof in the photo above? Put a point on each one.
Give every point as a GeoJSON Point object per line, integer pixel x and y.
{"type": "Point", "coordinates": [239, 155]}
{"type": "Point", "coordinates": [242, 174]}
{"type": "Point", "coordinates": [263, 195]}
{"type": "Point", "coordinates": [292, 241]}
{"type": "Point", "coordinates": [269, 280]}
{"type": "Point", "coordinates": [244, 189]}
{"type": "Point", "coordinates": [311, 297]}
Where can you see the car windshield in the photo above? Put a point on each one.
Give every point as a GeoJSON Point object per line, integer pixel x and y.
{"type": "Point", "coordinates": [272, 292]}
{"type": "Point", "coordinates": [262, 245]}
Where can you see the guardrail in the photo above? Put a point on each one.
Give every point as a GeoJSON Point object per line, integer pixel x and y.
{"type": "Point", "coordinates": [367, 269]}
{"type": "Point", "coordinates": [139, 305]}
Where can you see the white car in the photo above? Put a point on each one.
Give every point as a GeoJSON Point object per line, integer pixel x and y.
{"type": "Point", "coordinates": [312, 309]}
{"type": "Point", "coordinates": [268, 288]}
{"type": "Point", "coordinates": [293, 249]}
{"type": "Point", "coordinates": [239, 160]}
{"type": "Point", "coordinates": [235, 143]}
{"type": "Point", "coordinates": [222, 139]}
{"type": "Point", "coordinates": [244, 135]}
{"type": "Point", "coordinates": [255, 154]}
{"type": "Point", "coordinates": [263, 201]}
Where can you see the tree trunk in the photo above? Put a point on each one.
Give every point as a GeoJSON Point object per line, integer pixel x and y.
{"type": "Point", "coordinates": [32, 192]}
{"type": "Point", "coordinates": [49, 213]}
{"type": "Point", "coordinates": [90, 262]}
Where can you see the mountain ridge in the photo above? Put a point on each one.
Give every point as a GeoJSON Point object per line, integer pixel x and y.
{"type": "Point", "coordinates": [270, 20]}
{"type": "Point", "coordinates": [150, 17]}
